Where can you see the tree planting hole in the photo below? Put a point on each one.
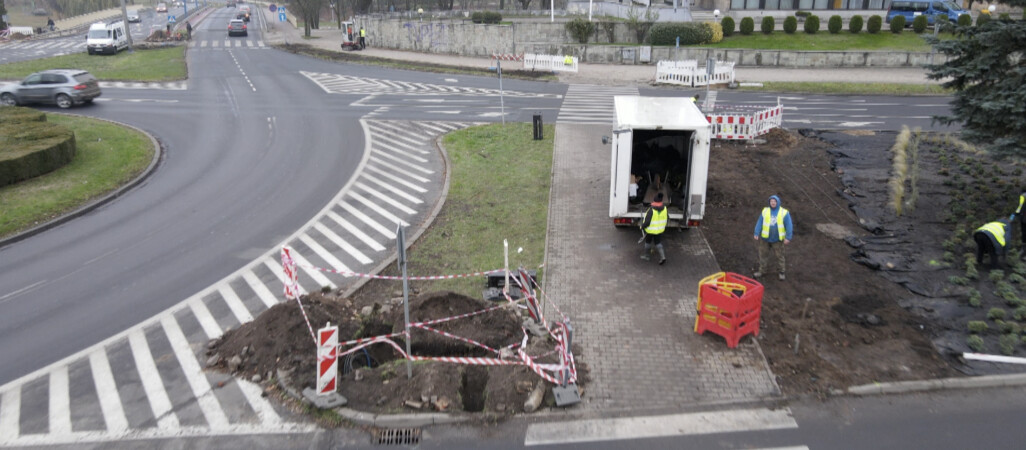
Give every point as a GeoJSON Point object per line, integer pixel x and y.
{"type": "Point", "coordinates": [472, 388]}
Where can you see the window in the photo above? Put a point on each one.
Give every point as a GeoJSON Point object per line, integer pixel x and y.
{"type": "Point", "coordinates": [737, 4]}
{"type": "Point", "coordinates": [33, 79]}
{"type": "Point", "coordinates": [772, 4]}
{"type": "Point", "coordinates": [876, 4]}
{"type": "Point", "coordinates": [751, 4]}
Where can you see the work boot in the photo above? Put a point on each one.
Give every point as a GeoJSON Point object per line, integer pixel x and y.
{"type": "Point", "coordinates": [647, 252]}
{"type": "Point", "coordinates": [662, 254]}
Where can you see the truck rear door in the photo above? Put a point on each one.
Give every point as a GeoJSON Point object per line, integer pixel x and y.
{"type": "Point", "coordinates": [620, 172]}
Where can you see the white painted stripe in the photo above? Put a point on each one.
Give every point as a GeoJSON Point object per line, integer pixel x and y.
{"type": "Point", "coordinates": [317, 275]}
{"type": "Point", "coordinates": [373, 206]}
{"type": "Point", "coordinates": [399, 131]}
{"type": "Point", "coordinates": [367, 220]}
{"type": "Point", "coordinates": [628, 428]}
{"type": "Point", "coordinates": [260, 43]}
{"type": "Point", "coordinates": [261, 290]}
{"type": "Point", "coordinates": [152, 384]}
{"type": "Point", "coordinates": [332, 261]}
{"type": "Point", "coordinates": [385, 146]}
{"type": "Point", "coordinates": [244, 431]}
{"type": "Point", "coordinates": [395, 179]}
{"type": "Point", "coordinates": [194, 375]}
{"type": "Point", "coordinates": [434, 127]}
{"type": "Point", "coordinates": [10, 414]}
{"type": "Point", "coordinates": [338, 241]}
{"type": "Point", "coordinates": [384, 198]}
{"type": "Point", "coordinates": [351, 229]}
{"type": "Point", "coordinates": [395, 169]}
{"type": "Point", "coordinates": [206, 320]}
{"type": "Point", "coordinates": [107, 392]}
{"type": "Point", "coordinates": [263, 408]}
{"type": "Point", "coordinates": [234, 303]}
{"type": "Point", "coordinates": [404, 162]}
{"type": "Point", "coordinates": [449, 126]}
{"type": "Point", "coordinates": [392, 189]}
{"type": "Point", "coordinates": [280, 273]}
{"type": "Point", "coordinates": [381, 140]}
{"type": "Point", "coordinates": [60, 401]}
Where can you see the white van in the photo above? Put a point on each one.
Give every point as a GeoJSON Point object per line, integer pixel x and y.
{"type": "Point", "coordinates": [106, 38]}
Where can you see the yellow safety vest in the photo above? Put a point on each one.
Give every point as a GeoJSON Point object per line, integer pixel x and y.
{"type": "Point", "coordinates": [363, 33]}
{"type": "Point", "coordinates": [1022, 199]}
{"type": "Point", "coordinates": [568, 60]}
{"type": "Point", "coordinates": [996, 229]}
{"type": "Point", "coordinates": [658, 223]}
{"type": "Point", "coordinates": [766, 218]}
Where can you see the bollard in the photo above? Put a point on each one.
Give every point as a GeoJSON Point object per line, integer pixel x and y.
{"type": "Point", "coordinates": [538, 127]}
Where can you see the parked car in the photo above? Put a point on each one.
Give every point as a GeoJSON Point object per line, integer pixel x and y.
{"type": "Point", "coordinates": [133, 17]}
{"type": "Point", "coordinates": [62, 87]}
{"type": "Point", "coordinates": [162, 7]}
{"type": "Point", "coordinates": [945, 10]}
{"type": "Point", "coordinates": [237, 27]}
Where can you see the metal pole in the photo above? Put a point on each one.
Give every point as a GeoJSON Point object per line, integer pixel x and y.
{"type": "Point", "coordinates": [505, 258]}
{"type": "Point", "coordinates": [590, 2]}
{"type": "Point", "coordinates": [128, 32]}
{"type": "Point", "coordinates": [401, 246]}
{"type": "Point", "coordinates": [502, 99]}
{"type": "Point", "coordinates": [552, 10]}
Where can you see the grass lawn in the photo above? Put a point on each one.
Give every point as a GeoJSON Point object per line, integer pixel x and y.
{"type": "Point", "coordinates": [165, 64]}
{"type": "Point", "coordinates": [499, 189]}
{"type": "Point", "coordinates": [823, 40]}
{"type": "Point", "coordinates": [892, 89]}
{"type": "Point", "coordinates": [107, 157]}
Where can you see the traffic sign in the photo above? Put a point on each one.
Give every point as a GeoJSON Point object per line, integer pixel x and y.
{"type": "Point", "coordinates": [281, 17]}
{"type": "Point", "coordinates": [273, 8]}
{"type": "Point", "coordinates": [281, 10]}
{"type": "Point", "coordinates": [170, 19]}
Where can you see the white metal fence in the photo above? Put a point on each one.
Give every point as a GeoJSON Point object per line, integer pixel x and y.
{"type": "Point", "coordinates": [555, 63]}
{"type": "Point", "coordinates": [745, 125]}
{"type": "Point", "coordinates": [687, 73]}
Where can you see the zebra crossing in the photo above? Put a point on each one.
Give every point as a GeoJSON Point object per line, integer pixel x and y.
{"type": "Point", "coordinates": [49, 44]}
{"type": "Point", "coordinates": [228, 43]}
{"type": "Point", "coordinates": [590, 104]}
{"type": "Point", "coordinates": [148, 381]}
{"type": "Point", "coordinates": [333, 83]}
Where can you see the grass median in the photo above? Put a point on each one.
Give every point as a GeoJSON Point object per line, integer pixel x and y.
{"type": "Point", "coordinates": [107, 157]}
{"type": "Point", "coordinates": [164, 64]}
{"type": "Point", "coordinates": [839, 88]}
{"type": "Point", "coordinates": [499, 189]}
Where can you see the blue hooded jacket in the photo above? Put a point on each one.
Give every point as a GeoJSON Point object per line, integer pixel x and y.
{"type": "Point", "coordinates": [789, 230]}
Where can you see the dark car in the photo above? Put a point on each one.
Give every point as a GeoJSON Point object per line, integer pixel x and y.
{"type": "Point", "coordinates": [230, 4]}
{"type": "Point", "coordinates": [237, 27]}
{"type": "Point", "coordinates": [244, 10]}
{"type": "Point", "coordinates": [62, 87]}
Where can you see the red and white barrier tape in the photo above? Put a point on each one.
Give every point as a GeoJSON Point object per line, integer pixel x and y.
{"type": "Point", "coordinates": [458, 338]}
{"type": "Point", "coordinates": [291, 286]}
{"type": "Point", "coordinates": [383, 277]}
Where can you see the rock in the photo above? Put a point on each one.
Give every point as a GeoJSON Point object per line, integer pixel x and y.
{"type": "Point", "coordinates": [442, 403]}
{"type": "Point", "coordinates": [386, 308]}
{"type": "Point", "coordinates": [396, 301]}
{"type": "Point", "coordinates": [257, 378]}
{"type": "Point", "coordinates": [413, 404]}
{"type": "Point", "coordinates": [212, 343]}
{"type": "Point", "coordinates": [385, 382]}
{"type": "Point", "coordinates": [873, 319]}
{"type": "Point", "coordinates": [534, 400]}
{"type": "Point", "coordinates": [381, 401]}
{"type": "Point", "coordinates": [424, 398]}
{"type": "Point", "coordinates": [397, 294]}
{"type": "Point", "coordinates": [358, 375]}
{"type": "Point", "coordinates": [366, 310]}
{"type": "Point", "coordinates": [234, 363]}
{"type": "Point", "coordinates": [524, 387]}
{"type": "Point", "coordinates": [505, 353]}
{"type": "Point", "coordinates": [501, 407]}
{"type": "Point", "coordinates": [245, 351]}
{"type": "Point", "coordinates": [214, 360]}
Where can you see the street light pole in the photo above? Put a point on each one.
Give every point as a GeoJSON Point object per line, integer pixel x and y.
{"type": "Point", "coordinates": [124, 17]}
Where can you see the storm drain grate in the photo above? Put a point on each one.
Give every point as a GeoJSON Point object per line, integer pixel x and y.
{"type": "Point", "coordinates": [397, 436]}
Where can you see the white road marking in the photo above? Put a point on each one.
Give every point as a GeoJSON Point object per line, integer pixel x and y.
{"type": "Point", "coordinates": [317, 275]}
{"type": "Point", "coordinates": [367, 220]}
{"type": "Point", "coordinates": [152, 384]}
{"type": "Point", "coordinates": [374, 245]}
{"type": "Point", "coordinates": [397, 170]}
{"type": "Point", "coordinates": [385, 198]}
{"type": "Point", "coordinates": [332, 261]}
{"type": "Point", "coordinates": [10, 414]}
{"type": "Point", "coordinates": [194, 375]}
{"type": "Point", "coordinates": [261, 290]}
{"type": "Point", "coordinates": [262, 407]}
{"type": "Point", "coordinates": [394, 190]}
{"type": "Point", "coordinates": [395, 179]}
{"type": "Point", "coordinates": [235, 303]}
{"type": "Point", "coordinates": [628, 428]}
{"type": "Point", "coordinates": [277, 270]}
{"type": "Point", "coordinates": [206, 320]}
{"type": "Point", "coordinates": [107, 392]}
{"type": "Point", "coordinates": [60, 401]}
{"type": "Point", "coordinates": [374, 206]}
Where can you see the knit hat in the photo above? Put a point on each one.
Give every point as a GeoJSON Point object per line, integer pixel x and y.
{"type": "Point", "coordinates": [659, 197]}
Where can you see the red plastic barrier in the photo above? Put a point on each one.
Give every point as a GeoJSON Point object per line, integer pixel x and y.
{"type": "Point", "coordinates": [729, 305]}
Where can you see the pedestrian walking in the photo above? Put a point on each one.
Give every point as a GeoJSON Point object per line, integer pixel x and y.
{"type": "Point", "coordinates": [773, 231]}
{"type": "Point", "coordinates": [49, 23]}
{"type": "Point", "coordinates": [993, 239]}
{"type": "Point", "coordinates": [188, 31]}
{"type": "Point", "coordinates": [654, 225]}
{"type": "Point", "coordinates": [169, 30]}
{"type": "Point", "coordinates": [363, 38]}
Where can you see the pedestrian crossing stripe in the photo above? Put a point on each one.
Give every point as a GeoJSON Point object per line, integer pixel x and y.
{"type": "Point", "coordinates": [346, 84]}
{"type": "Point", "coordinates": [590, 104]}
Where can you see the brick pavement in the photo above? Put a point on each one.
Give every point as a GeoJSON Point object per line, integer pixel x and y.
{"type": "Point", "coordinates": [633, 318]}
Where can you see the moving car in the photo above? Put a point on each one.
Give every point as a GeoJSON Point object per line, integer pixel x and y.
{"type": "Point", "coordinates": [133, 17]}
{"type": "Point", "coordinates": [161, 7]}
{"type": "Point", "coordinates": [244, 9]}
{"type": "Point", "coordinates": [230, 4]}
{"type": "Point", "coordinates": [106, 38]}
{"type": "Point", "coordinates": [237, 27]}
{"type": "Point", "coordinates": [62, 87]}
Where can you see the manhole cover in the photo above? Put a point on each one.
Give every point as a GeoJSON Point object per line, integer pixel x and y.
{"type": "Point", "coordinates": [397, 436]}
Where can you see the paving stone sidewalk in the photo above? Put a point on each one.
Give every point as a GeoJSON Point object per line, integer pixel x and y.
{"type": "Point", "coordinates": [634, 319]}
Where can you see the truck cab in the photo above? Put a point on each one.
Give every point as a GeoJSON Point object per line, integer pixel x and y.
{"type": "Point", "coordinates": [659, 145]}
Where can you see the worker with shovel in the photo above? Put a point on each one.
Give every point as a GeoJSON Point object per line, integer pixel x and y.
{"type": "Point", "coordinates": [993, 239]}
{"type": "Point", "coordinates": [653, 227]}
{"type": "Point", "coordinates": [773, 231]}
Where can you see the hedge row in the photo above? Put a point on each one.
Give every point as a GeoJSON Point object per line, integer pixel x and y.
{"type": "Point", "coordinates": [486, 17]}
{"type": "Point", "coordinates": [690, 33]}
{"type": "Point", "coordinates": [29, 146]}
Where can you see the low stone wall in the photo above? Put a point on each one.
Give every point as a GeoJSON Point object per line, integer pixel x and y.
{"type": "Point", "coordinates": [465, 38]}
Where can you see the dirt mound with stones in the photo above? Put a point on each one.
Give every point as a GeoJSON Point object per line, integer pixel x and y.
{"type": "Point", "coordinates": [374, 378]}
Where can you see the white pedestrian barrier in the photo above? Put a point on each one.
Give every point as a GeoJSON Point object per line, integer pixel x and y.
{"type": "Point", "coordinates": [687, 73]}
{"type": "Point", "coordinates": [555, 63]}
{"type": "Point", "coordinates": [744, 126]}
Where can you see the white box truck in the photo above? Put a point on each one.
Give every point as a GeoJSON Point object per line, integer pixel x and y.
{"type": "Point", "coordinates": [106, 38]}
{"type": "Point", "coordinates": [659, 145]}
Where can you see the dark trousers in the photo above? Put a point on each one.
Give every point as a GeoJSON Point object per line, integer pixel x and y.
{"type": "Point", "coordinates": [1022, 229]}
{"type": "Point", "coordinates": [363, 42]}
{"type": "Point", "coordinates": [983, 246]}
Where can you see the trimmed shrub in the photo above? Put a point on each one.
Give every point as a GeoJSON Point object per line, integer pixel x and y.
{"type": "Point", "coordinates": [477, 17]}
{"type": "Point", "coordinates": [919, 24]}
{"type": "Point", "coordinates": [691, 33]}
{"type": "Point", "coordinates": [965, 20]}
{"type": "Point", "coordinates": [975, 342]}
{"type": "Point", "coordinates": [996, 314]}
{"type": "Point", "coordinates": [1007, 343]}
{"type": "Point", "coordinates": [747, 25]}
{"type": "Point", "coordinates": [834, 24]}
{"type": "Point", "coordinates": [977, 326]}
{"type": "Point", "coordinates": [31, 148]}
{"type": "Point", "coordinates": [897, 24]}
{"type": "Point", "coordinates": [580, 29]}
{"type": "Point", "coordinates": [855, 24]}
{"type": "Point", "coordinates": [874, 24]}
{"type": "Point", "coordinates": [768, 24]}
{"type": "Point", "coordinates": [728, 26]}
{"type": "Point", "coordinates": [812, 24]}
{"type": "Point", "coordinates": [492, 17]}
{"type": "Point", "coordinates": [982, 19]}
{"type": "Point", "coordinates": [1005, 17]}
{"type": "Point", "coordinates": [790, 25]}
{"type": "Point", "coordinates": [715, 32]}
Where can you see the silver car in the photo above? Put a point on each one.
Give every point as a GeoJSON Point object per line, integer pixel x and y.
{"type": "Point", "coordinates": [62, 87]}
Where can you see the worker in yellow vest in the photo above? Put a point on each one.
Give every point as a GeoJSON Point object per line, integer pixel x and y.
{"type": "Point", "coordinates": [654, 225]}
{"type": "Point", "coordinates": [992, 239]}
{"type": "Point", "coordinates": [773, 231]}
{"type": "Point", "coordinates": [1022, 220]}
{"type": "Point", "coordinates": [363, 38]}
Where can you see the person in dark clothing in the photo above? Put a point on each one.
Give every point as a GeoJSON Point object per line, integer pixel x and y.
{"type": "Point", "coordinates": [363, 38]}
{"type": "Point", "coordinates": [993, 239]}
{"type": "Point", "coordinates": [654, 225]}
{"type": "Point", "coordinates": [188, 31]}
{"type": "Point", "coordinates": [1022, 219]}
{"type": "Point", "coordinates": [49, 23]}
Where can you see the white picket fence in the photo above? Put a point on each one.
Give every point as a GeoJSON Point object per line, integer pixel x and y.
{"type": "Point", "coordinates": [687, 73]}
{"type": "Point", "coordinates": [555, 63]}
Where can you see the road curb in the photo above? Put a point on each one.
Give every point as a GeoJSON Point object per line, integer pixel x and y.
{"type": "Point", "coordinates": [158, 156]}
{"type": "Point", "coordinates": [399, 420]}
{"type": "Point", "coordinates": [901, 387]}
